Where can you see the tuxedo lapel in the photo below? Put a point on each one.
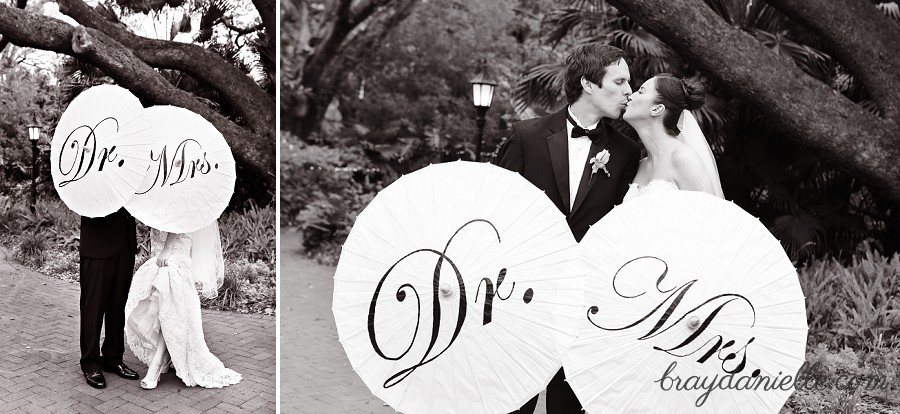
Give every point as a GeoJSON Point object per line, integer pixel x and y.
{"type": "Point", "coordinates": [585, 185]}
{"type": "Point", "coordinates": [557, 144]}
{"type": "Point", "coordinates": [604, 142]}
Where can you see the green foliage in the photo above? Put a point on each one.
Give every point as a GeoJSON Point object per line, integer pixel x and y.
{"type": "Point", "coordinates": [48, 241]}
{"type": "Point", "coordinates": [247, 287]}
{"type": "Point", "coordinates": [407, 106]}
{"type": "Point", "coordinates": [31, 249]}
{"type": "Point", "coordinates": [414, 95]}
{"type": "Point", "coordinates": [26, 97]}
{"type": "Point", "coordinates": [319, 197]}
{"type": "Point", "coordinates": [855, 306]}
{"type": "Point", "coordinates": [250, 234]}
{"type": "Point", "coordinates": [845, 363]}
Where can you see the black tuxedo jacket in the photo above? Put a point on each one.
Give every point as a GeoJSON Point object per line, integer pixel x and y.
{"type": "Point", "coordinates": [105, 237]}
{"type": "Point", "coordinates": [538, 150]}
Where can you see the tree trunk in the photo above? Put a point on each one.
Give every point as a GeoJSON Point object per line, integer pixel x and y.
{"type": "Point", "coordinates": [804, 109]}
{"type": "Point", "coordinates": [862, 38]}
{"type": "Point", "coordinates": [248, 99]}
{"type": "Point", "coordinates": [350, 32]}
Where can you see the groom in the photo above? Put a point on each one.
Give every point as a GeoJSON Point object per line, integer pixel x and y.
{"type": "Point", "coordinates": [108, 246]}
{"type": "Point", "coordinates": [554, 153]}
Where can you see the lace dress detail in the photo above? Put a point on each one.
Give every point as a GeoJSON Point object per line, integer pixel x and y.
{"type": "Point", "coordinates": [163, 303]}
{"type": "Point", "coordinates": [635, 190]}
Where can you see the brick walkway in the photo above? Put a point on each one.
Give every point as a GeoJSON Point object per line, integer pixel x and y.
{"type": "Point", "coordinates": [316, 376]}
{"type": "Point", "coordinates": [39, 370]}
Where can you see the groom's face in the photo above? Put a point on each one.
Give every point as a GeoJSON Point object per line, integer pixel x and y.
{"type": "Point", "coordinates": [612, 95]}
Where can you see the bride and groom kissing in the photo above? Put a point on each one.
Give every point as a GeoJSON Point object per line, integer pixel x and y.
{"type": "Point", "coordinates": [157, 307]}
{"type": "Point", "coordinates": [586, 167]}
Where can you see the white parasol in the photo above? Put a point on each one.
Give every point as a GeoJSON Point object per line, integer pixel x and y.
{"type": "Point", "coordinates": [458, 290]}
{"type": "Point", "coordinates": [98, 152]}
{"type": "Point", "coordinates": [689, 301]}
{"type": "Point", "coordinates": [191, 175]}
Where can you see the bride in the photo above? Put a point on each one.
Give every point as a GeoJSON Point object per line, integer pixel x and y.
{"type": "Point", "coordinates": [678, 155]}
{"type": "Point", "coordinates": [163, 325]}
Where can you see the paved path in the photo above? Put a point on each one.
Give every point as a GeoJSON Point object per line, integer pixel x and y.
{"type": "Point", "coordinates": [316, 376]}
{"type": "Point", "coordinates": [39, 355]}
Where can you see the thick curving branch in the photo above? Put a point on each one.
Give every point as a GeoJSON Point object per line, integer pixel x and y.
{"type": "Point", "coordinates": [249, 100]}
{"type": "Point", "coordinates": [806, 110]}
{"type": "Point", "coordinates": [256, 152]}
{"type": "Point", "coordinates": [3, 40]}
{"type": "Point", "coordinates": [862, 38]}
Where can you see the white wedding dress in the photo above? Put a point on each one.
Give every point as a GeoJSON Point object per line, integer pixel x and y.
{"type": "Point", "coordinates": [163, 303]}
{"type": "Point", "coordinates": [653, 186]}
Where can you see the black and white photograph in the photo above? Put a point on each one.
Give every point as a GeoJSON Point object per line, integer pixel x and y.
{"type": "Point", "coordinates": [601, 206]}
{"type": "Point", "coordinates": [137, 201]}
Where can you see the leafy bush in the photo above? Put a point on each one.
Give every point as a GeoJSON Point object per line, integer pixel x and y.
{"type": "Point", "coordinates": [321, 197]}
{"type": "Point", "coordinates": [10, 213]}
{"type": "Point", "coordinates": [855, 306]}
{"type": "Point", "coordinates": [48, 241]}
{"type": "Point", "coordinates": [249, 234]}
{"type": "Point", "coordinates": [840, 365]}
{"type": "Point", "coordinates": [31, 249]}
{"type": "Point", "coordinates": [247, 287]}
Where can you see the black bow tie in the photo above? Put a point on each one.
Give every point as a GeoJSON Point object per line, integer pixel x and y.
{"type": "Point", "coordinates": [595, 135]}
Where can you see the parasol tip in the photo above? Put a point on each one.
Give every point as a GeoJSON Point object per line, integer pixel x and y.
{"type": "Point", "coordinates": [693, 322]}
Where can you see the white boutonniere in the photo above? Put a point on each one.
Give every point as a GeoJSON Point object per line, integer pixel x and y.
{"type": "Point", "coordinates": [599, 163]}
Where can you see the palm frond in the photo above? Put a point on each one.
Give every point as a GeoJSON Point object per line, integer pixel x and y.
{"type": "Point", "coordinates": [76, 76]}
{"type": "Point", "coordinates": [562, 23]}
{"type": "Point", "coordinates": [211, 14]}
{"type": "Point", "coordinates": [732, 11]}
{"type": "Point", "coordinates": [541, 86]}
{"type": "Point", "coordinates": [639, 42]}
{"type": "Point", "coordinates": [871, 106]}
{"type": "Point", "coordinates": [814, 62]}
{"type": "Point", "coordinates": [147, 6]}
{"type": "Point", "coordinates": [180, 24]}
{"type": "Point", "coordinates": [713, 117]}
{"type": "Point", "coordinates": [588, 5]}
{"type": "Point", "coordinates": [801, 235]}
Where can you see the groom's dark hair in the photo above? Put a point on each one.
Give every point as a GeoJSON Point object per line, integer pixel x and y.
{"type": "Point", "coordinates": [588, 61]}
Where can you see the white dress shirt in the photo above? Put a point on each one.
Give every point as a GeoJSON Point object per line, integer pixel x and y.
{"type": "Point", "coordinates": [578, 156]}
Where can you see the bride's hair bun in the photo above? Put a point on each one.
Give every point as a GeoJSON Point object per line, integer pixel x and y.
{"type": "Point", "coordinates": [677, 95]}
{"type": "Point", "coordinates": [694, 94]}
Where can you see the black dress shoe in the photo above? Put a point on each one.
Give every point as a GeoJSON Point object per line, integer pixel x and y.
{"type": "Point", "coordinates": [95, 379]}
{"type": "Point", "coordinates": [121, 370]}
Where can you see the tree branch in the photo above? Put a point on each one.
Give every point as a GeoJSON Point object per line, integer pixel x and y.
{"type": "Point", "coordinates": [853, 29]}
{"type": "Point", "coordinates": [266, 9]}
{"type": "Point", "coordinates": [808, 111]}
{"type": "Point", "coordinates": [229, 23]}
{"type": "Point", "coordinates": [332, 35]}
{"type": "Point", "coordinates": [248, 99]}
{"type": "Point", "coordinates": [347, 25]}
{"type": "Point", "coordinates": [95, 47]}
{"type": "Point", "coordinates": [3, 39]}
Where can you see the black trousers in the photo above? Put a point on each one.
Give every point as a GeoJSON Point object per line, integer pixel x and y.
{"type": "Point", "coordinates": [560, 398]}
{"type": "Point", "coordinates": [104, 290]}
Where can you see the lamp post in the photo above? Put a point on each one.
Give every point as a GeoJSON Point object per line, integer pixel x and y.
{"type": "Point", "coordinates": [482, 94]}
{"type": "Point", "coordinates": [34, 134]}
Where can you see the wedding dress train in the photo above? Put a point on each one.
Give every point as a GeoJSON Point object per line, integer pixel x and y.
{"type": "Point", "coordinates": [163, 303]}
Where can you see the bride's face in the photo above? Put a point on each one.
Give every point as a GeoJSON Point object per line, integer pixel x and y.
{"type": "Point", "coordinates": [640, 106]}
